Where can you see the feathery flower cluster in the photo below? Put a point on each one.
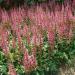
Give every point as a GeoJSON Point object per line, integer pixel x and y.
{"type": "Point", "coordinates": [11, 69]}
{"type": "Point", "coordinates": [4, 40]}
{"type": "Point", "coordinates": [29, 62]}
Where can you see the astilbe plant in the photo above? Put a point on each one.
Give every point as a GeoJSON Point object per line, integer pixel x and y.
{"type": "Point", "coordinates": [4, 41]}
{"type": "Point", "coordinates": [11, 69]}
{"type": "Point", "coordinates": [33, 40]}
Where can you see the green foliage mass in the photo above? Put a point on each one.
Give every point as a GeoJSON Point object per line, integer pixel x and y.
{"type": "Point", "coordinates": [48, 63]}
{"type": "Point", "coordinates": [11, 3]}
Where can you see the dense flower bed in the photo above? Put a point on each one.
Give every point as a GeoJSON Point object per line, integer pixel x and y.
{"type": "Point", "coordinates": [36, 41]}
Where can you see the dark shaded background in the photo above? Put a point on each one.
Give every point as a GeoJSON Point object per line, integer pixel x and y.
{"type": "Point", "coordinates": [15, 3]}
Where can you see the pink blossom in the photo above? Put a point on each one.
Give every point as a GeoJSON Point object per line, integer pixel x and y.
{"type": "Point", "coordinates": [13, 43]}
{"type": "Point", "coordinates": [34, 37]}
{"type": "Point", "coordinates": [13, 16]}
{"type": "Point", "coordinates": [4, 41]}
{"type": "Point", "coordinates": [34, 50]}
{"type": "Point", "coordinates": [51, 36]}
{"type": "Point", "coordinates": [0, 14]}
{"type": "Point", "coordinates": [18, 34]}
{"type": "Point", "coordinates": [5, 16]}
{"type": "Point", "coordinates": [11, 69]}
{"type": "Point", "coordinates": [25, 30]}
{"type": "Point", "coordinates": [26, 61]}
{"type": "Point", "coordinates": [33, 62]}
{"type": "Point", "coordinates": [29, 62]}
